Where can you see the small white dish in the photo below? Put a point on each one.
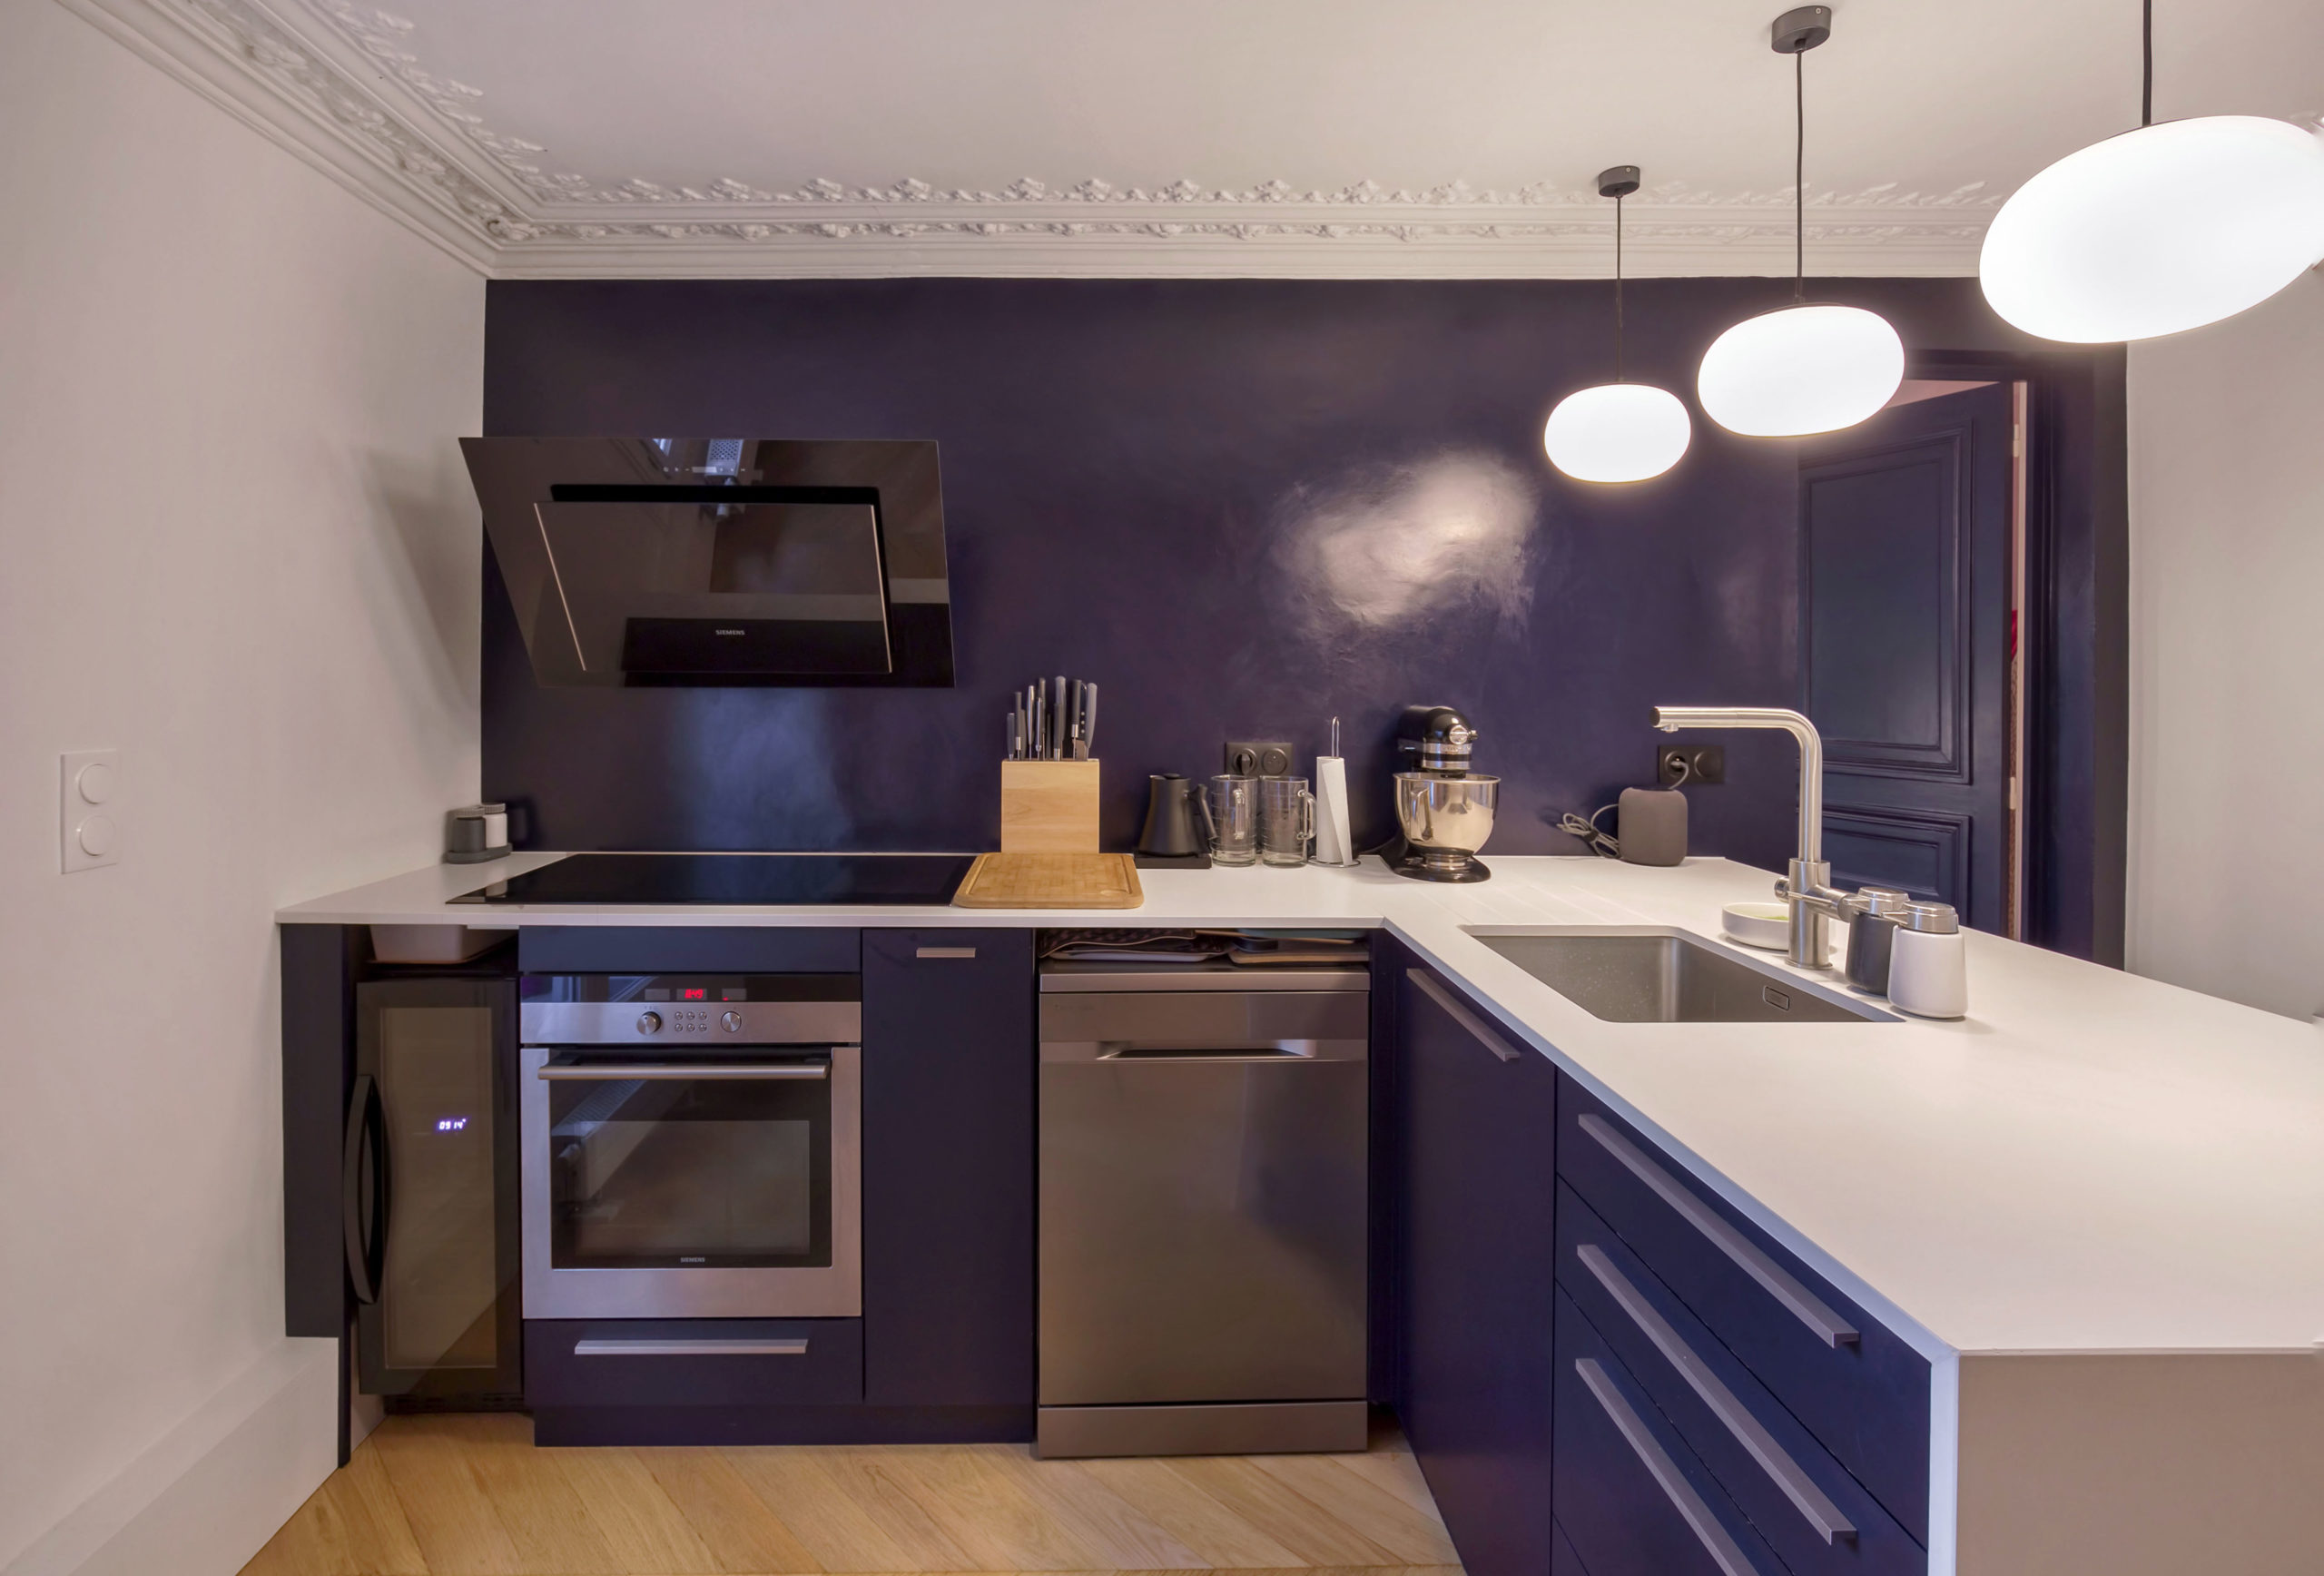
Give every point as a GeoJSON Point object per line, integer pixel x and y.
{"type": "Point", "coordinates": [1759, 924]}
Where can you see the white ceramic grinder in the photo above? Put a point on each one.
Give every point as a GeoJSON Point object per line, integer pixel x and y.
{"type": "Point", "coordinates": [1929, 971]}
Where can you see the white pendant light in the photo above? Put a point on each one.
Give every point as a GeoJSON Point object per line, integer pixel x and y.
{"type": "Point", "coordinates": [1810, 366]}
{"type": "Point", "coordinates": [2160, 229]}
{"type": "Point", "coordinates": [1618, 431]}
{"type": "Point", "coordinates": [1806, 369]}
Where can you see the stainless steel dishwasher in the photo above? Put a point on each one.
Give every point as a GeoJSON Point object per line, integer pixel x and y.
{"type": "Point", "coordinates": [1202, 1209]}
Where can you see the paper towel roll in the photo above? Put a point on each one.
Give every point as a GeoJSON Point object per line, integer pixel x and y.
{"type": "Point", "coordinates": [1333, 844]}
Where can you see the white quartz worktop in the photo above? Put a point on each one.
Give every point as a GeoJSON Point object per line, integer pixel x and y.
{"type": "Point", "coordinates": [2091, 1162]}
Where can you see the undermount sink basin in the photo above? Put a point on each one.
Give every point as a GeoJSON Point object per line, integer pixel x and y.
{"type": "Point", "coordinates": [1652, 974]}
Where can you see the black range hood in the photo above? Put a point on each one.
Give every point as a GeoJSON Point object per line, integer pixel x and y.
{"type": "Point", "coordinates": [641, 561]}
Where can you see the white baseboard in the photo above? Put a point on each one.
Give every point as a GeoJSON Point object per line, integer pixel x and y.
{"type": "Point", "coordinates": [208, 1493]}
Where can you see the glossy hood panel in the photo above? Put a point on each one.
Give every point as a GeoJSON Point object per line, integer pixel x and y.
{"type": "Point", "coordinates": [642, 561]}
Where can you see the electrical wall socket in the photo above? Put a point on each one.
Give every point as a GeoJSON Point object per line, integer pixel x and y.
{"type": "Point", "coordinates": [88, 820]}
{"type": "Point", "coordinates": [1258, 758]}
{"type": "Point", "coordinates": [1690, 763]}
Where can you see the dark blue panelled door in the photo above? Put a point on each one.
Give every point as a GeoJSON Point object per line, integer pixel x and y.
{"type": "Point", "coordinates": [1904, 644]}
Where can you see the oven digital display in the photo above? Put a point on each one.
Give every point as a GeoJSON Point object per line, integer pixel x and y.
{"type": "Point", "coordinates": [548, 988]}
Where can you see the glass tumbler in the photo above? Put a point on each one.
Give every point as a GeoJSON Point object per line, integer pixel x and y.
{"type": "Point", "coordinates": [1286, 819]}
{"type": "Point", "coordinates": [1234, 821]}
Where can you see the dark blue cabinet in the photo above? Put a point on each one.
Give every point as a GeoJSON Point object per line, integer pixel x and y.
{"type": "Point", "coordinates": [1819, 1519]}
{"type": "Point", "coordinates": [1478, 1135]}
{"type": "Point", "coordinates": [947, 1169]}
{"type": "Point", "coordinates": [1859, 1388]}
{"type": "Point", "coordinates": [1633, 1499]}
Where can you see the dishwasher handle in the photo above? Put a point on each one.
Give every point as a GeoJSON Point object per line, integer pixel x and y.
{"type": "Point", "coordinates": [1210, 1053]}
{"type": "Point", "coordinates": [1272, 1050]}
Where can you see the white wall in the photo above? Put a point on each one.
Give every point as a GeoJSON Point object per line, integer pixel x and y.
{"type": "Point", "coordinates": [235, 543]}
{"type": "Point", "coordinates": [2227, 655]}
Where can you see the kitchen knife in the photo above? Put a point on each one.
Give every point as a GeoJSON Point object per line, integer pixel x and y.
{"type": "Point", "coordinates": [1056, 723]}
{"type": "Point", "coordinates": [1090, 719]}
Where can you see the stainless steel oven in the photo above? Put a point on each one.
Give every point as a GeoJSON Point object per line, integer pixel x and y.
{"type": "Point", "coordinates": [691, 1146]}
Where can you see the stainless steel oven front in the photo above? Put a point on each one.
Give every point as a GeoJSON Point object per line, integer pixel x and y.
{"type": "Point", "coordinates": [691, 1146]}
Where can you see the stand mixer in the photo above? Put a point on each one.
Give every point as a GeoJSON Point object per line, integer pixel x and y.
{"type": "Point", "coordinates": [1445, 811]}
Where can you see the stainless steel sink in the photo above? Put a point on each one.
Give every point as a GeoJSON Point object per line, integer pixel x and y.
{"type": "Point", "coordinates": [1652, 974]}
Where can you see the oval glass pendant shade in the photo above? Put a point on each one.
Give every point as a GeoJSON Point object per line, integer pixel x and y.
{"type": "Point", "coordinates": [1801, 370]}
{"type": "Point", "coordinates": [2157, 231]}
{"type": "Point", "coordinates": [1617, 432]}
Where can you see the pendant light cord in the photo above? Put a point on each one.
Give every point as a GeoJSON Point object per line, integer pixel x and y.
{"type": "Point", "coordinates": [2146, 54]}
{"type": "Point", "coordinates": [1618, 290]}
{"type": "Point", "coordinates": [1799, 176]}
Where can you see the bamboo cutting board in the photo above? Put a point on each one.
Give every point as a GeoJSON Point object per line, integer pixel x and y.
{"type": "Point", "coordinates": [1050, 881]}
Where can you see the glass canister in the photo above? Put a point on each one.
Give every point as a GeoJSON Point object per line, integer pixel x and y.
{"type": "Point", "coordinates": [1233, 819]}
{"type": "Point", "coordinates": [1286, 819]}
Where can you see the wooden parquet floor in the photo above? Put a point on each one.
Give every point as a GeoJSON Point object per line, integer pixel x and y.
{"type": "Point", "coordinates": [468, 1495]}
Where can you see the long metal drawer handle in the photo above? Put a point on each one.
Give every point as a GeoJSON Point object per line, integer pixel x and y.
{"type": "Point", "coordinates": [1462, 1016]}
{"type": "Point", "coordinates": [945, 952]}
{"type": "Point", "coordinates": [1714, 1537]}
{"type": "Point", "coordinates": [1774, 1459]}
{"type": "Point", "coordinates": [652, 1070]}
{"type": "Point", "coordinates": [1266, 1051]}
{"type": "Point", "coordinates": [1806, 1306]}
{"type": "Point", "coordinates": [644, 1346]}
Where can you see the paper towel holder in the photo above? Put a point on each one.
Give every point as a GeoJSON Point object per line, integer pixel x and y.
{"type": "Point", "coordinates": [1333, 836]}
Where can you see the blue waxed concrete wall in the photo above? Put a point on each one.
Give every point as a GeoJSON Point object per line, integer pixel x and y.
{"type": "Point", "coordinates": [1241, 507]}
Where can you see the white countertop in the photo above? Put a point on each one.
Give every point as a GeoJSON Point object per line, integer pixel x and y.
{"type": "Point", "coordinates": [2091, 1162]}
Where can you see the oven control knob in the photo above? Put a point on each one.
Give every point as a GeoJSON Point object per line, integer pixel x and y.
{"type": "Point", "coordinates": [649, 1022]}
{"type": "Point", "coordinates": [733, 1022]}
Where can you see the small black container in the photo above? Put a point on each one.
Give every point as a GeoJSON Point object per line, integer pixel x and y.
{"type": "Point", "coordinates": [1872, 936]}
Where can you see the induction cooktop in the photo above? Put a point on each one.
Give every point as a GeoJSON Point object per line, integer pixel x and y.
{"type": "Point", "coordinates": [797, 878]}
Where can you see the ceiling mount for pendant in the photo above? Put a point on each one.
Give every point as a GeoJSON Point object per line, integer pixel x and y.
{"type": "Point", "coordinates": [1801, 29]}
{"type": "Point", "coordinates": [1620, 181]}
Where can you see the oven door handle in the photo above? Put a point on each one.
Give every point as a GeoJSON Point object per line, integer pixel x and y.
{"type": "Point", "coordinates": [601, 1071]}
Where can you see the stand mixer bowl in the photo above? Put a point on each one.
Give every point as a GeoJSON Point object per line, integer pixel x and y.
{"type": "Point", "coordinates": [1447, 819]}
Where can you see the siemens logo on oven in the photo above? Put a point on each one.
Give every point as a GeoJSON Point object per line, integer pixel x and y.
{"type": "Point", "coordinates": [728, 632]}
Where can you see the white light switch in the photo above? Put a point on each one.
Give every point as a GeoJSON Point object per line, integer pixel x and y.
{"type": "Point", "coordinates": [88, 819]}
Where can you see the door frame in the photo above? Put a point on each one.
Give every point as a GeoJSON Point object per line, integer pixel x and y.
{"type": "Point", "coordinates": [2074, 635]}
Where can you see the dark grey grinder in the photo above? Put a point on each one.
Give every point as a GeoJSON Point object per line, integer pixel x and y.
{"type": "Point", "coordinates": [1873, 916]}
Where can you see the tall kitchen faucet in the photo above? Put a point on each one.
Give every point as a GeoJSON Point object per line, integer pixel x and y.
{"type": "Point", "coordinates": [1807, 887]}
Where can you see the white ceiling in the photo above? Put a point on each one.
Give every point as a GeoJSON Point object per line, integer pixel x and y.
{"type": "Point", "coordinates": [1328, 137]}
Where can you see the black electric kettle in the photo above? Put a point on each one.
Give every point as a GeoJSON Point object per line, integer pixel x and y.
{"type": "Point", "coordinates": [1178, 820]}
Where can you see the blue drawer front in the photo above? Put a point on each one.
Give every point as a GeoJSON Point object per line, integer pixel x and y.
{"type": "Point", "coordinates": [1865, 1399]}
{"type": "Point", "coordinates": [1631, 1498]}
{"type": "Point", "coordinates": [588, 1363]}
{"type": "Point", "coordinates": [1818, 1518]}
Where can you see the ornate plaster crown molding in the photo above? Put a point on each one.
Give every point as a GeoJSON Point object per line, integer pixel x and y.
{"type": "Point", "coordinates": [341, 85]}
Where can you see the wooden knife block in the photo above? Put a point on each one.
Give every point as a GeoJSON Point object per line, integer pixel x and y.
{"type": "Point", "coordinates": [1048, 807]}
